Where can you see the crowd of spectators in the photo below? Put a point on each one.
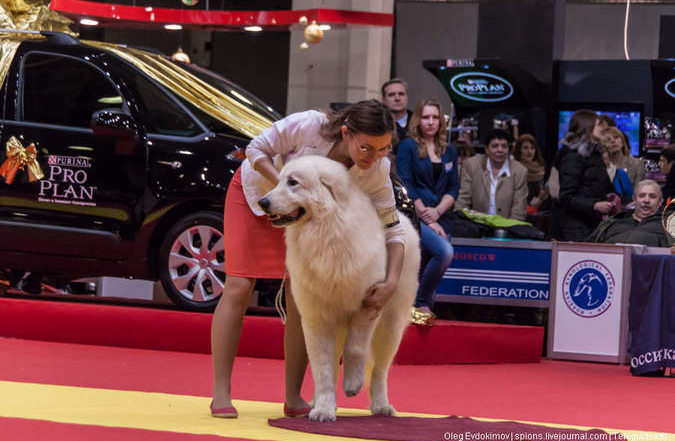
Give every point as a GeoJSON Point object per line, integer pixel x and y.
{"type": "Point", "coordinates": [594, 190]}
{"type": "Point", "coordinates": [588, 194]}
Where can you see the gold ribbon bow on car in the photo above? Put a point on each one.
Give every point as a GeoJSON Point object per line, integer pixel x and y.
{"type": "Point", "coordinates": [20, 158]}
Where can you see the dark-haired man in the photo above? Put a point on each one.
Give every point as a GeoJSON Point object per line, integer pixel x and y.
{"type": "Point", "coordinates": [395, 97]}
{"type": "Point", "coordinates": [494, 183]}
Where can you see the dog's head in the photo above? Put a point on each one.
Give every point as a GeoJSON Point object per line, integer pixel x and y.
{"type": "Point", "coordinates": [309, 187]}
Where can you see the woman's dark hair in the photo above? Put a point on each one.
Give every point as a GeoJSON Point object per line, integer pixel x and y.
{"type": "Point", "coordinates": [522, 139]}
{"type": "Point", "coordinates": [498, 134]}
{"type": "Point", "coordinates": [607, 120]}
{"type": "Point", "coordinates": [441, 137]}
{"type": "Point", "coordinates": [369, 117]}
{"type": "Point", "coordinates": [583, 122]}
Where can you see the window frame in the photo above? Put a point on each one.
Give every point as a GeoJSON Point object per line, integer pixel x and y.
{"type": "Point", "coordinates": [19, 109]}
{"type": "Point", "coordinates": [205, 131]}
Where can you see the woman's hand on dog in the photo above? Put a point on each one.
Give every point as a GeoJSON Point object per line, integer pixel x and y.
{"type": "Point", "coordinates": [376, 297]}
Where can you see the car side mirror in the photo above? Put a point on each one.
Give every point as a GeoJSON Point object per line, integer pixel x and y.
{"type": "Point", "coordinates": [114, 123]}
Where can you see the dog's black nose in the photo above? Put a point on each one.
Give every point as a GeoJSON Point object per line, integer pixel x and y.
{"type": "Point", "coordinates": [264, 203]}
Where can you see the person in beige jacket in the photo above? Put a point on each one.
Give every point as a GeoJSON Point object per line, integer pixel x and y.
{"type": "Point", "coordinates": [494, 183]}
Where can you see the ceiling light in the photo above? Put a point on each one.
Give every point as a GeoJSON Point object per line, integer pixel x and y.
{"type": "Point", "coordinates": [324, 27]}
{"type": "Point", "coordinates": [173, 27]}
{"type": "Point", "coordinates": [88, 22]}
{"type": "Point", "coordinates": [253, 28]}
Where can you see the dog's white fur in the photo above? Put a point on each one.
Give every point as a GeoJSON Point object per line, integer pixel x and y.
{"type": "Point", "coordinates": [335, 252]}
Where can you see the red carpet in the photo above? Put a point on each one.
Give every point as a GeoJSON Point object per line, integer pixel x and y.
{"type": "Point", "coordinates": [561, 392]}
{"type": "Point", "coordinates": [262, 337]}
{"type": "Point", "coordinates": [35, 430]}
{"type": "Point", "coordinates": [433, 429]}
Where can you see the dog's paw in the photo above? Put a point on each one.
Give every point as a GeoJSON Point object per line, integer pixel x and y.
{"type": "Point", "coordinates": [317, 414]}
{"type": "Point", "coordinates": [352, 385]}
{"type": "Point", "coordinates": [387, 409]}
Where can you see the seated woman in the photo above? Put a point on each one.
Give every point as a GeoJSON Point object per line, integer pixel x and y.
{"type": "Point", "coordinates": [526, 151]}
{"type": "Point", "coordinates": [464, 151]}
{"type": "Point", "coordinates": [427, 165]}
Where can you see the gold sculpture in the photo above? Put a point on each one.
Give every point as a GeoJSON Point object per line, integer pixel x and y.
{"type": "Point", "coordinates": [32, 15]}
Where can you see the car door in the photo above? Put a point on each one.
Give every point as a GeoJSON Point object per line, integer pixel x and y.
{"type": "Point", "coordinates": [78, 197]}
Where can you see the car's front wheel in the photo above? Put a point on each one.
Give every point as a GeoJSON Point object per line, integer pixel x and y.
{"type": "Point", "coordinates": [192, 261]}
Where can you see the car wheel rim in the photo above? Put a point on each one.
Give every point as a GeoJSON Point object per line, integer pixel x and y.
{"type": "Point", "coordinates": [197, 263]}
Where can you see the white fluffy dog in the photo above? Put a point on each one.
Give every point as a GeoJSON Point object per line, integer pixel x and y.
{"type": "Point", "coordinates": [335, 251]}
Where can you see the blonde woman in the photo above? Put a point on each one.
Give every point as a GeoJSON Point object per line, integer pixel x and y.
{"type": "Point", "coordinates": [427, 165]}
{"type": "Point", "coordinates": [619, 154]}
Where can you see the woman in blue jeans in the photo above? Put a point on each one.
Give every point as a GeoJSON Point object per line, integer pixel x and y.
{"type": "Point", "coordinates": [427, 165]}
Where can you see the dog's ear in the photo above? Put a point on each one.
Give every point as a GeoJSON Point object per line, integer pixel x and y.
{"type": "Point", "coordinates": [335, 186]}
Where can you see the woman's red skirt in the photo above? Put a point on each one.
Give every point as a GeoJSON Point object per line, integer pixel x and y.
{"type": "Point", "coordinates": [253, 247]}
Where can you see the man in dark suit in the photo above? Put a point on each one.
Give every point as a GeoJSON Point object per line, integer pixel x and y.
{"type": "Point", "coordinates": [395, 97]}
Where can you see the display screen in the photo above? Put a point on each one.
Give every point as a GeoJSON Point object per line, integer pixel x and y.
{"type": "Point", "coordinates": [628, 121]}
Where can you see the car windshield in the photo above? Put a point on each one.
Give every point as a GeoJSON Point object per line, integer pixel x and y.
{"type": "Point", "coordinates": [233, 90]}
{"type": "Point", "coordinates": [205, 91]}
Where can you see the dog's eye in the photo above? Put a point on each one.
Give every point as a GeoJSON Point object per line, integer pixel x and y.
{"type": "Point", "coordinates": [291, 182]}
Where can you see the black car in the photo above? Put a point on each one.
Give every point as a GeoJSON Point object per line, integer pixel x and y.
{"type": "Point", "coordinates": [116, 163]}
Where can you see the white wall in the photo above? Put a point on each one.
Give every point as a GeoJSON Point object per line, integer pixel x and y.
{"type": "Point", "coordinates": [348, 65]}
{"type": "Point", "coordinates": [431, 31]}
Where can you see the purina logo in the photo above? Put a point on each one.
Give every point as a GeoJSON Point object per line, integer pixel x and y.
{"type": "Point", "coordinates": [483, 87]}
{"type": "Point", "coordinates": [588, 288]}
{"type": "Point", "coordinates": [670, 87]}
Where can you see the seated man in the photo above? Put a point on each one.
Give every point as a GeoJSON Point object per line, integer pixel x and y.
{"type": "Point", "coordinates": [494, 183]}
{"type": "Point", "coordinates": [640, 226]}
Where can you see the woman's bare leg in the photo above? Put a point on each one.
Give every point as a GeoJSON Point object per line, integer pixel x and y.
{"type": "Point", "coordinates": [225, 333]}
{"type": "Point", "coordinates": [295, 353]}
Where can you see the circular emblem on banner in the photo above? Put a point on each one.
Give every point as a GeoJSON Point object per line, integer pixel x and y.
{"type": "Point", "coordinates": [670, 87]}
{"type": "Point", "coordinates": [588, 288]}
{"type": "Point", "coordinates": [482, 87]}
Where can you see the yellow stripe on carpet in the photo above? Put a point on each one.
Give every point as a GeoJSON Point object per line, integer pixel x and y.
{"type": "Point", "coordinates": [176, 413]}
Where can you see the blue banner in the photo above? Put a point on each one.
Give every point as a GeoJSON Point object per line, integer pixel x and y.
{"type": "Point", "coordinates": [651, 315]}
{"type": "Point", "coordinates": [505, 273]}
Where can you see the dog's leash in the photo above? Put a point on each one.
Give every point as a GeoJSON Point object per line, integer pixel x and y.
{"type": "Point", "coordinates": [278, 302]}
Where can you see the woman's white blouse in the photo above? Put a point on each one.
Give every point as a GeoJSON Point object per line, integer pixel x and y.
{"type": "Point", "coordinates": [298, 135]}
